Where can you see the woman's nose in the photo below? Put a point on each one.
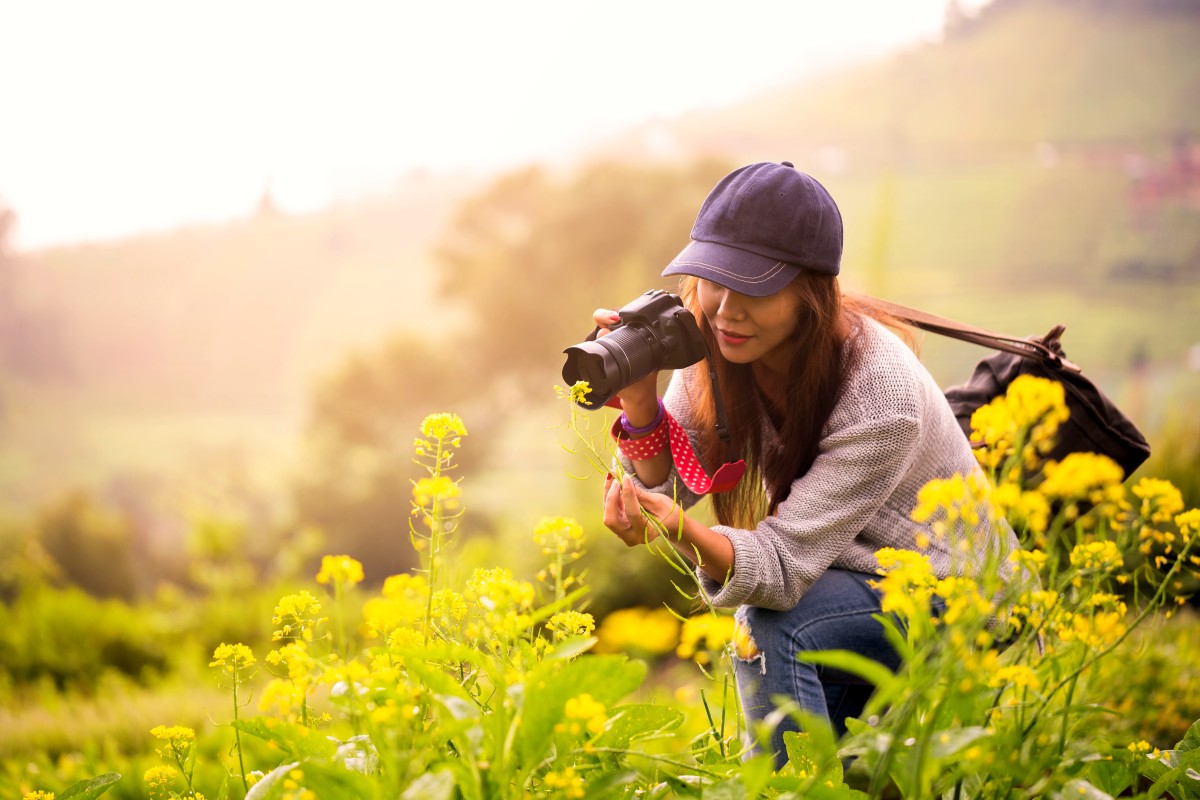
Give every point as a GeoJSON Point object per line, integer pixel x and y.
{"type": "Point", "coordinates": [730, 307]}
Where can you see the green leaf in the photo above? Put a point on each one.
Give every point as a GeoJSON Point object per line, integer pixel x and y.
{"type": "Point", "coordinates": [947, 743]}
{"type": "Point", "coordinates": [812, 757]}
{"type": "Point", "coordinates": [853, 663]}
{"type": "Point", "coordinates": [92, 787]}
{"type": "Point", "coordinates": [293, 740]}
{"type": "Point", "coordinates": [730, 789]}
{"type": "Point", "coordinates": [569, 648]}
{"type": "Point", "coordinates": [607, 678]}
{"type": "Point", "coordinates": [266, 783]}
{"type": "Point", "coordinates": [1191, 739]}
{"type": "Point", "coordinates": [431, 786]}
{"type": "Point", "coordinates": [1083, 790]}
{"type": "Point", "coordinates": [638, 721]}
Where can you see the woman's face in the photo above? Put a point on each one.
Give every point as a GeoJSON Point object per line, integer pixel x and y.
{"type": "Point", "coordinates": [750, 329]}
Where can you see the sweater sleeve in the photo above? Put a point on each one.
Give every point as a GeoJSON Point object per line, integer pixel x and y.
{"type": "Point", "coordinates": [857, 469]}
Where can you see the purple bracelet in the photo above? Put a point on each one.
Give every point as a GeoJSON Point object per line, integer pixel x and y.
{"type": "Point", "coordinates": [632, 431]}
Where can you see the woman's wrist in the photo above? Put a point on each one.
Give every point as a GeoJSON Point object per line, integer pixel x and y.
{"type": "Point", "coordinates": [643, 421]}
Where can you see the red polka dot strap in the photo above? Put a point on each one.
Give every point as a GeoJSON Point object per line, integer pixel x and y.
{"type": "Point", "coordinates": [686, 463]}
{"type": "Point", "coordinates": [643, 449]}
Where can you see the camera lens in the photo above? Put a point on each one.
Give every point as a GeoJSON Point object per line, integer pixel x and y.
{"type": "Point", "coordinates": [611, 362]}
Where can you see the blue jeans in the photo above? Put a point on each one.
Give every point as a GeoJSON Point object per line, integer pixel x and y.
{"type": "Point", "coordinates": [836, 613]}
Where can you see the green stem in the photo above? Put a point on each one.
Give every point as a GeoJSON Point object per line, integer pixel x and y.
{"type": "Point", "coordinates": [237, 737]}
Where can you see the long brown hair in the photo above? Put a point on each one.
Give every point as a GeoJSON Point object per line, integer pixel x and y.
{"type": "Point", "coordinates": [813, 382]}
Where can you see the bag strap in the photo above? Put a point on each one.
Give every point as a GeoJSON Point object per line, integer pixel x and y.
{"type": "Point", "coordinates": [1046, 349]}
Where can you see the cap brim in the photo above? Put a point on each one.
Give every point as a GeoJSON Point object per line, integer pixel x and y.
{"type": "Point", "coordinates": [734, 268]}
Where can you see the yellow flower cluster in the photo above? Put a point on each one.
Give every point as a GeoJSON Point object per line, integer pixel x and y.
{"type": "Point", "coordinates": [1097, 557]}
{"type": "Point", "coordinates": [443, 426]}
{"type": "Point", "coordinates": [704, 634]}
{"type": "Point", "coordinates": [1101, 625]}
{"type": "Point", "coordinates": [158, 781]}
{"type": "Point", "coordinates": [576, 393]}
{"type": "Point", "coordinates": [583, 713]}
{"type": "Point", "coordinates": [178, 740]}
{"type": "Point", "coordinates": [296, 614]}
{"type": "Point", "coordinates": [236, 660]}
{"type": "Point", "coordinates": [651, 631]}
{"type": "Point", "coordinates": [505, 603]}
{"type": "Point", "coordinates": [402, 604]}
{"type": "Point", "coordinates": [38, 795]}
{"type": "Point", "coordinates": [1019, 676]}
{"type": "Point", "coordinates": [570, 623]}
{"type": "Point", "coordinates": [1028, 510]}
{"type": "Point", "coordinates": [1025, 420]}
{"type": "Point", "coordinates": [907, 584]}
{"type": "Point", "coordinates": [566, 783]}
{"type": "Point", "coordinates": [1084, 477]}
{"type": "Point", "coordinates": [1161, 501]}
{"type": "Point", "coordinates": [945, 503]}
{"type": "Point", "coordinates": [340, 571]}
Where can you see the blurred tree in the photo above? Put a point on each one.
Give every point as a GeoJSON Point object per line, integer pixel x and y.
{"type": "Point", "coordinates": [533, 256]}
{"type": "Point", "coordinates": [356, 478]}
{"type": "Point", "coordinates": [91, 544]}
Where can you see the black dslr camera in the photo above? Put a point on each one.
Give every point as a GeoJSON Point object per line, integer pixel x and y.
{"type": "Point", "coordinates": [655, 332]}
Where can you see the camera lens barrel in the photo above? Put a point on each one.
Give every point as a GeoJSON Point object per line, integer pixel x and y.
{"type": "Point", "coordinates": [612, 362]}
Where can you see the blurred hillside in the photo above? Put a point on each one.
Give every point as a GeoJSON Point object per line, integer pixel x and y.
{"type": "Point", "coordinates": [1039, 166]}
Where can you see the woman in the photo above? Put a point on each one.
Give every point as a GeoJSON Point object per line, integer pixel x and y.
{"type": "Point", "coordinates": [837, 420]}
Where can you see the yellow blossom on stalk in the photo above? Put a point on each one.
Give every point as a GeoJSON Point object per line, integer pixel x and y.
{"type": "Point", "coordinates": [1030, 411]}
{"type": "Point", "coordinates": [443, 426]}
{"type": "Point", "coordinates": [1188, 521]}
{"type": "Point", "coordinates": [570, 623]}
{"type": "Point", "coordinates": [438, 489]}
{"type": "Point", "coordinates": [961, 596]}
{"type": "Point", "coordinates": [1139, 747]}
{"type": "Point", "coordinates": [703, 633]}
{"type": "Point", "coordinates": [295, 659]}
{"type": "Point", "coordinates": [583, 712]}
{"type": "Point", "coordinates": [1020, 676]}
{"type": "Point", "coordinates": [558, 535]}
{"type": "Point", "coordinates": [283, 697]}
{"type": "Point", "coordinates": [403, 603]}
{"type": "Point", "coordinates": [503, 603]}
{"type": "Point", "coordinates": [296, 614]}
{"type": "Point", "coordinates": [568, 782]}
{"type": "Point", "coordinates": [449, 605]}
{"type": "Point", "coordinates": [1097, 556]}
{"type": "Point", "coordinates": [947, 502]}
{"type": "Point", "coordinates": [1025, 510]}
{"type": "Point", "coordinates": [340, 570]}
{"type": "Point", "coordinates": [653, 631]}
{"type": "Point", "coordinates": [576, 393]}
{"type": "Point", "coordinates": [1161, 501]}
{"type": "Point", "coordinates": [907, 583]}
{"type": "Point", "coordinates": [38, 795]}
{"type": "Point", "coordinates": [158, 781]}
{"type": "Point", "coordinates": [178, 738]}
{"type": "Point", "coordinates": [1037, 608]}
{"type": "Point", "coordinates": [235, 660]}
{"type": "Point", "coordinates": [1102, 626]}
{"type": "Point", "coordinates": [1084, 477]}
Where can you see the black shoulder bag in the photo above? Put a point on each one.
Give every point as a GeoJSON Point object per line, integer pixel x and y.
{"type": "Point", "coordinates": [1095, 425]}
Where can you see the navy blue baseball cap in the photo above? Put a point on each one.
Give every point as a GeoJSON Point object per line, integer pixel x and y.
{"type": "Point", "coordinates": [759, 227]}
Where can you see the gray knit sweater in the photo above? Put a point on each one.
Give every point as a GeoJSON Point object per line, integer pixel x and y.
{"type": "Point", "coordinates": [890, 433]}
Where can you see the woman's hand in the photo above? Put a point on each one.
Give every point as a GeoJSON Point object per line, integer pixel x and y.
{"type": "Point", "coordinates": [636, 397]}
{"type": "Point", "coordinates": [623, 504]}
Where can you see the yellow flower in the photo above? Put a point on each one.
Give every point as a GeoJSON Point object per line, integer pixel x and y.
{"type": "Point", "coordinates": [1188, 521]}
{"type": "Point", "coordinates": [39, 795]}
{"type": "Point", "coordinates": [178, 738]}
{"type": "Point", "coordinates": [577, 393]}
{"type": "Point", "coordinates": [1161, 501]}
{"type": "Point", "coordinates": [443, 426]}
{"type": "Point", "coordinates": [1097, 556]}
{"type": "Point", "coordinates": [1085, 477]}
{"type": "Point", "coordinates": [296, 614]}
{"type": "Point", "coordinates": [438, 489]}
{"type": "Point", "coordinates": [583, 712]}
{"type": "Point", "coordinates": [158, 781]}
{"type": "Point", "coordinates": [702, 634]}
{"type": "Point", "coordinates": [235, 659]}
{"type": "Point", "coordinates": [340, 570]}
{"type": "Point", "coordinates": [570, 623]}
{"type": "Point", "coordinates": [1020, 676]}
{"type": "Point", "coordinates": [907, 582]}
{"type": "Point", "coordinates": [653, 631]}
{"type": "Point", "coordinates": [1027, 416]}
{"type": "Point", "coordinates": [568, 783]}
{"type": "Point", "coordinates": [1140, 746]}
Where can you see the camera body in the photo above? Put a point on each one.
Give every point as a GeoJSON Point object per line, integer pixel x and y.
{"type": "Point", "coordinates": [655, 333]}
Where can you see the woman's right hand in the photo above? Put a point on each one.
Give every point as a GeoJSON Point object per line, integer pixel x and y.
{"type": "Point", "coordinates": [638, 397]}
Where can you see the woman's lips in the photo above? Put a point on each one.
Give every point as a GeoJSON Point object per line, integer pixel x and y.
{"type": "Point", "coordinates": [731, 337]}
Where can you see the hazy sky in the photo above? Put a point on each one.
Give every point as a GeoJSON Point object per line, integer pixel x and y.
{"type": "Point", "coordinates": [118, 116]}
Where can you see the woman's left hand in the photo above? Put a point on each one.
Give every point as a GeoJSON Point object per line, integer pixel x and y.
{"type": "Point", "coordinates": [623, 504]}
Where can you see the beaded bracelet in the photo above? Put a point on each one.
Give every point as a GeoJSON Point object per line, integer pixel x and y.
{"type": "Point", "coordinates": [632, 431]}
